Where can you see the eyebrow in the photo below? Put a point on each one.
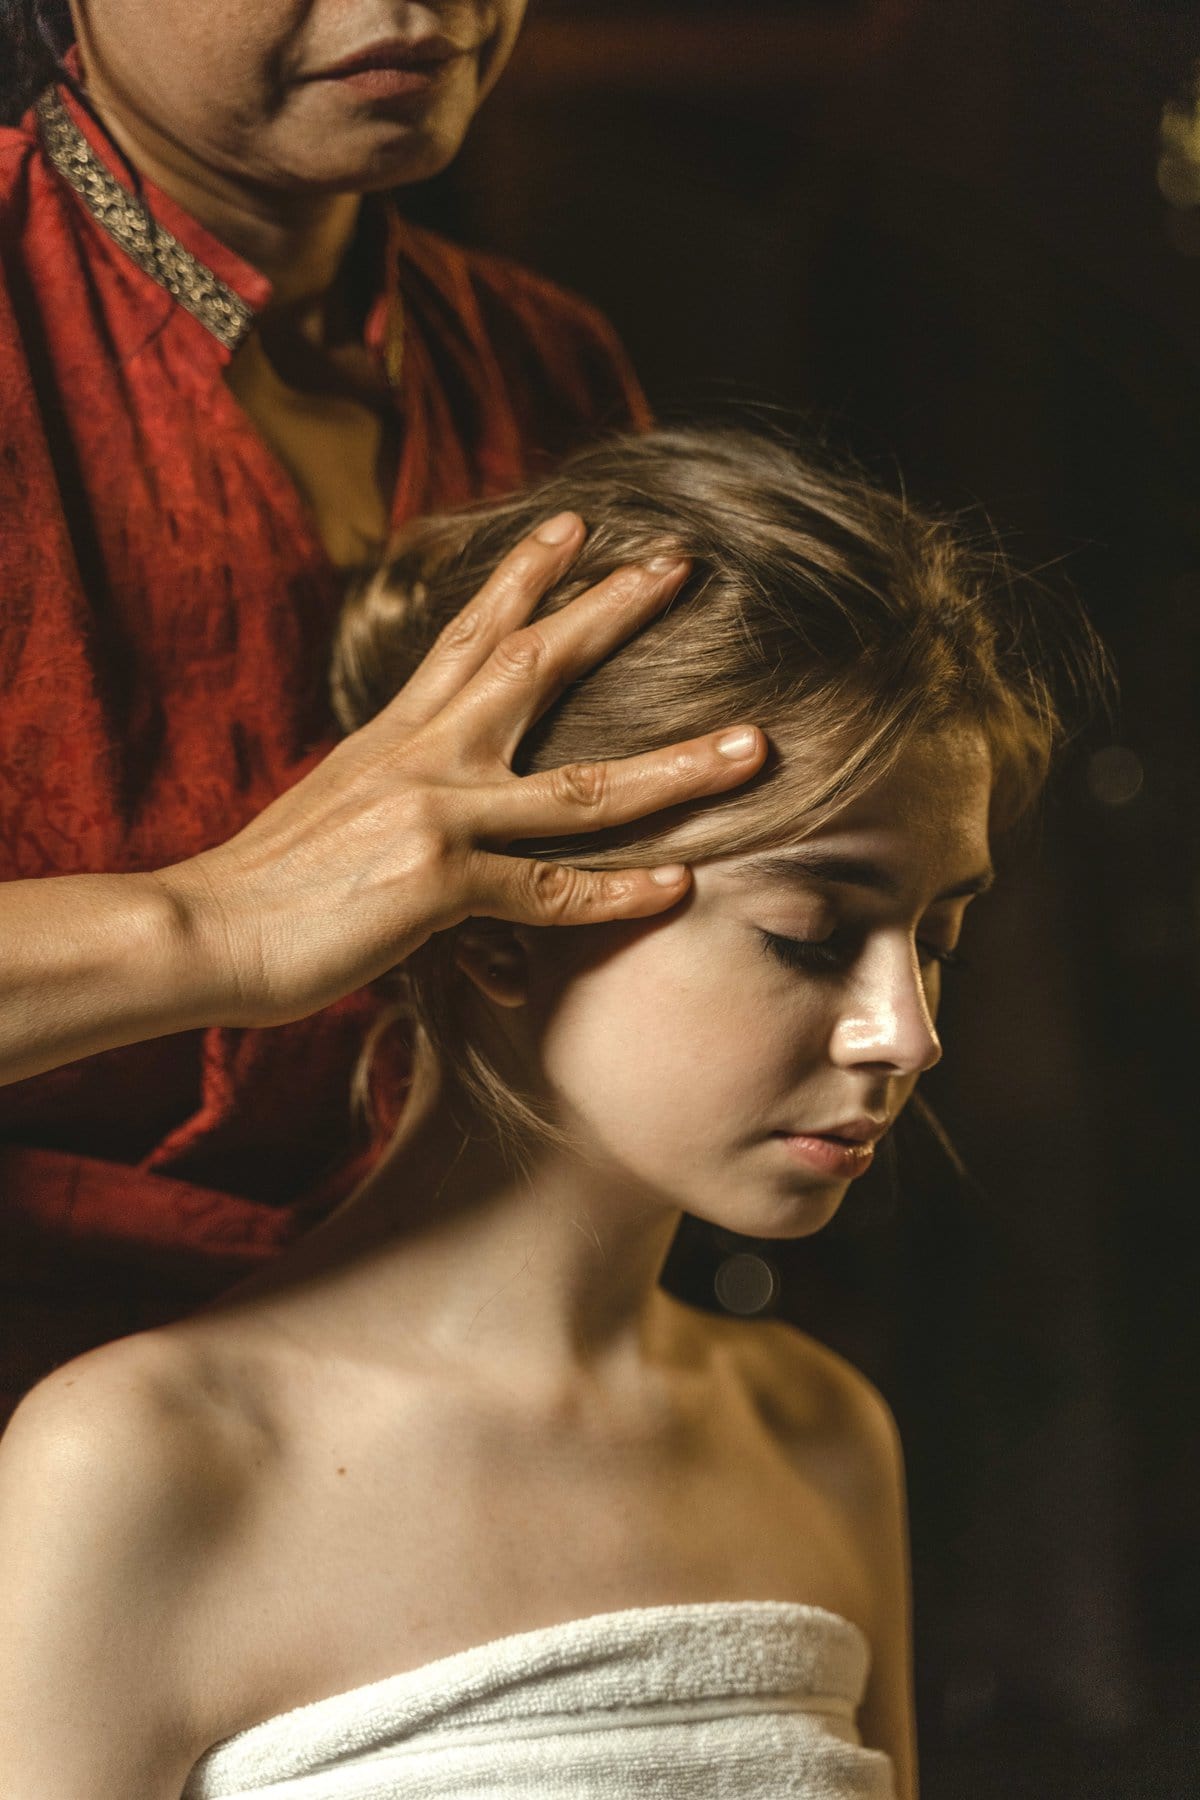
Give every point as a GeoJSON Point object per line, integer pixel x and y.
{"type": "Point", "coordinates": [854, 871]}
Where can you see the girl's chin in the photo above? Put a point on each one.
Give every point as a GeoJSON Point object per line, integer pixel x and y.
{"type": "Point", "coordinates": [797, 1215]}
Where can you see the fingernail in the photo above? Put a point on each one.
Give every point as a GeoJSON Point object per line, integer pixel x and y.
{"type": "Point", "coordinates": [665, 565]}
{"type": "Point", "coordinates": [558, 529]}
{"type": "Point", "coordinates": [738, 744]}
{"type": "Point", "coordinates": [669, 875]}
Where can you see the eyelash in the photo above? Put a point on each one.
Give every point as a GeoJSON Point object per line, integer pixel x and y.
{"type": "Point", "coordinates": [817, 956]}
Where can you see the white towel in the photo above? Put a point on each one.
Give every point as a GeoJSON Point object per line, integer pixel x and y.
{"type": "Point", "coordinates": [724, 1700]}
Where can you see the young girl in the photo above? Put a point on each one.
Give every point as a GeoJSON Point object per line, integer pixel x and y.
{"type": "Point", "coordinates": [453, 1499]}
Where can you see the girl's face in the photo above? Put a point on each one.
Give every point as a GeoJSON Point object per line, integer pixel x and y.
{"type": "Point", "coordinates": [256, 90]}
{"type": "Point", "coordinates": [790, 992]}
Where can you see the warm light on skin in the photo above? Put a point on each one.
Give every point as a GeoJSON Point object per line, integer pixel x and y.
{"type": "Point", "coordinates": [672, 1049]}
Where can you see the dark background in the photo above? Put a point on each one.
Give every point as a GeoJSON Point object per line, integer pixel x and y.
{"type": "Point", "coordinates": [941, 227]}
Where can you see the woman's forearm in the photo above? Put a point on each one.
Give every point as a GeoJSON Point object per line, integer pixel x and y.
{"type": "Point", "coordinates": [397, 834]}
{"type": "Point", "coordinates": [93, 961]}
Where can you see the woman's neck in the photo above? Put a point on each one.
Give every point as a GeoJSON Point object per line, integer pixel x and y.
{"type": "Point", "coordinates": [297, 240]}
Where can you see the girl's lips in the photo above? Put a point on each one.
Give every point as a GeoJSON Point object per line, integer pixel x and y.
{"type": "Point", "coordinates": [829, 1155]}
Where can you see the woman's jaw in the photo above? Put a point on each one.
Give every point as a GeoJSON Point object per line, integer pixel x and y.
{"type": "Point", "coordinates": [274, 109]}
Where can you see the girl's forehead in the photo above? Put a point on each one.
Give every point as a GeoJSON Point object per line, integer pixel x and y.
{"type": "Point", "coordinates": [883, 867]}
{"type": "Point", "coordinates": [925, 822]}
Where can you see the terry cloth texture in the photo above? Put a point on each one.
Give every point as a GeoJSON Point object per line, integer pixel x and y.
{"type": "Point", "coordinates": [728, 1700]}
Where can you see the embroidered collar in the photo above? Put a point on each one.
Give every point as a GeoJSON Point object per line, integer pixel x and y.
{"type": "Point", "coordinates": [225, 313]}
{"type": "Point", "coordinates": [130, 224]}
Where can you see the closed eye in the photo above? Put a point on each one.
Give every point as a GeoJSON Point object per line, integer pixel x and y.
{"type": "Point", "coordinates": [827, 955]}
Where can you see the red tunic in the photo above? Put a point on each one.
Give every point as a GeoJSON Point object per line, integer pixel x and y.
{"type": "Point", "coordinates": [165, 616]}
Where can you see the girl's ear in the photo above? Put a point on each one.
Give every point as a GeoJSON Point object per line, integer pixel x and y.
{"type": "Point", "coordinates": [490, 954]}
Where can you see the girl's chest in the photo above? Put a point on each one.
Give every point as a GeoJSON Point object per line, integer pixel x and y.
{"type": "Point", "coordinates": [370, 1567]}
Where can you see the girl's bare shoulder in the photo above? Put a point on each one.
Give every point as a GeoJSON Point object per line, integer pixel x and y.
{"type": "Point", "coordinates": [120, 1475]}
{"type": "Point", "coordinates": [813, 1400]}
{"type": "Point", "coordinates": [128, 1466]}
{"type": "Point", "coordinates": [150, 1405]}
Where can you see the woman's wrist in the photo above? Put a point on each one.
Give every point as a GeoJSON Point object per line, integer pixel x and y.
{"type": "Point", "coordinates": [97, 961]}
{"type": "Point", "coordinates": [198, 975]}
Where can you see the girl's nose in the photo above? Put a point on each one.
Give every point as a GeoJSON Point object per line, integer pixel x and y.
{"type": "Point", "coordinates": [885, 1019]}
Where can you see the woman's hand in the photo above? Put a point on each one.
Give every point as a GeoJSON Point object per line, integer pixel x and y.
{"type": "Point", "coordinates": [399, 832]}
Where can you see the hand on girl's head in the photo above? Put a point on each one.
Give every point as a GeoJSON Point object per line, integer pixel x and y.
{"type": "Point", "coordinates": [400, 831]}
{"type": "Point", "coordinates": [486, 681]}
{"type": "Point", "coordinates": [820, 610]}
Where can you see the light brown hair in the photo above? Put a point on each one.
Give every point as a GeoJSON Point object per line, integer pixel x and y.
{"type": "Point", "coordinates": [834, 615]}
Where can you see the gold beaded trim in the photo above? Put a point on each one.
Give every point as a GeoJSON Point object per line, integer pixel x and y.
{"type": "Point", "coordinates": [128, 222]}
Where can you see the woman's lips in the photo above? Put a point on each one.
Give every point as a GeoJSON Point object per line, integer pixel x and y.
{"type": "Point", "coordinates": [393, 69]}
{"type": "Point", "coordinates": [388, 84]}
{"type": "Point", "coordinates": [829, 1155]}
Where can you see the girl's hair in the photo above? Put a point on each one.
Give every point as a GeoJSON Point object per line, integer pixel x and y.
{"type": "Point", "coordinates": [33, 36]}
{"type": "Point", "coordinates": [834, 615]}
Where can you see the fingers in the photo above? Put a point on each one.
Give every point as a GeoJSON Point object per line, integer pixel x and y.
{"type": "Point", "coordinates": [544, 893]}
{"type": "Point", "coordinates": [530, 667]}
{"type": "Point", "coordinates": [589, 796]}
{"type": "Point", "coordinates": [501, 606]}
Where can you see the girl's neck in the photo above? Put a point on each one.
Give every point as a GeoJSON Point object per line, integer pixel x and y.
{"type": "Point", "coordinates": [446, 1256]}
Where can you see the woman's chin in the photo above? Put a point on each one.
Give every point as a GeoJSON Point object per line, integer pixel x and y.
{"type": "Point", "coordinates": [365, 147]}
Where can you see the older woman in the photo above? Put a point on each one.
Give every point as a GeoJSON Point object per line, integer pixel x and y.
{"type": "Point", "coordinates": [229, 370]}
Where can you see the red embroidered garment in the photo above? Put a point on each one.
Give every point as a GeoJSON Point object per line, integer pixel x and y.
{"type": "Point", "coordinates": [165, 615]}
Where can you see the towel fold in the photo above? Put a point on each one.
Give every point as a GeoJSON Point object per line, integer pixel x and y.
{"type": "Point", "coordinates": [723, 1700]}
